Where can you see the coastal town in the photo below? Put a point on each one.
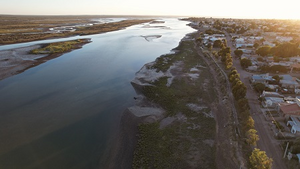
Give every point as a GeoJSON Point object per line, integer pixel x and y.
{"type": "Point", "coordinates": [266, 55]}
{"type": "Point", "coordinates": [149, 84]}
{"type": "Point", "coordinates": [228, 96]}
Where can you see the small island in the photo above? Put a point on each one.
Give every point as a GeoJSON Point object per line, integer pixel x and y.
{"type": "Point", "coordinates": [18, 60]}
{"type": "Point", "coordinates": [60, 47]}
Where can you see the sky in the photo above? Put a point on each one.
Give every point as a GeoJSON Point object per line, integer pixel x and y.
{"type": "Point", "coordinates": [271, 9]}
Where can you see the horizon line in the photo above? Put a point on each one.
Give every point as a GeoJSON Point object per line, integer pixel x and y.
{"type": "Point", "coordinates": [141, 15]}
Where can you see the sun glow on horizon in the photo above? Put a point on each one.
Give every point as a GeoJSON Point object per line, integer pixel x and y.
{"type": "Point", "coordinates": [255, 9]}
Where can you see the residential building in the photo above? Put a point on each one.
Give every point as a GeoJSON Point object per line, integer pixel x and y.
{"type": "Point", "coordinates": [294, 122]}
{"type": "Point", "coordinates": [288, 82]}
{"type": "Point", "coordinates": [271, 94]}
{"type": "Point", "coordinates": [290, 110]}
{"type": "Point", "coordinates": [262, 78]}
{"type": "Point", "coordinates": [272, 102]}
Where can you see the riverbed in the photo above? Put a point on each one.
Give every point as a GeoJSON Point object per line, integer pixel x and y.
{"type": "Point", "coordinates": [65, 112]}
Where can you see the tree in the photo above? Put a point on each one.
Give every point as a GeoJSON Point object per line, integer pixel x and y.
{"type": "Point", "coordinates": [260, 59]}
{"type": "Point", "coordinates": [209, 31]}
{"type": "Point", "coordinates": [296, 146]}
{"type": "Point", "coordinates": [253, 26]}
{"type": "Point", "coordinates": [199, 39]}
{"type": "Point", "coordinates": [277, 68]}
{"type": "Point", "coordinates": [233, 38]}
{"type": "Point", "coordinates": [264, 50]}
{"type": "Point", "coordinates": [250, 123]}
{"type": "Point", "coordinates": [224, 51]}
{"type": "Point", "coordinates": [286, 50]}
{"type": "Point", "coordinates": [260, 160]}
{"type": "Point", "coordinates": [233, 72]}
{"type": "Point", "coordinates": [223, 58]}
{"type": "Point", "coordinates": [239, 90]}
{"type": "Point", "coordinates": [277, 59]}
{"type": "Point", "coordinates": [218, 44]}
{"type": "Point", "coordinates": [230, 30]}
{"type": "Point", "coordinates": [224, 42]}
{"type": "Point", "coordinates": [277, 78]}
{"type": "Point", "coordinates": [215, 54]}
{"type": "Point", "coordinates": [245, 63]}
{"type": "Point", "coordinates": [234, 77]}
{"type": "Point", "coordinates": [228, 62]}
{"type": "Point", "coordinates": [235, 82]}
{"type": "Point", "coordinates": [238, 53]}
{"type": "Point", "coordinates": [274, 69]}
{"type": "Point", "coordinates": [242, 30]}
{"type": "Point", "coordinates": [252, 137]}
{"type": "Point", "coordinates": [259, 87]}
{"type": "Point", "coordinates": [209, 46]}
{"type": "Point", "coordinates": [256, 45]}
{"type": "Point", "coordinates": [243, 104]}
{"type": "Point", "coordinates": [276, 43]}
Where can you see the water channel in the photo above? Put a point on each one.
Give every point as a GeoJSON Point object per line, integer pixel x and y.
{"type": "Point", "coordinates": [62, 114]}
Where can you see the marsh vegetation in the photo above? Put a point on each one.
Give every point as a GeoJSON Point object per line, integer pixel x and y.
{"type": "Point", "coordinates": [189, 140]}
{"type": "Point", "coordinates": [16, 29]}
{"type": "Point", "coordinates": [59, 47]}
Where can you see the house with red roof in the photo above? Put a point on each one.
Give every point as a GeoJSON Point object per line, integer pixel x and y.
{"type": "Point", "coordinates": [292, 113]}
{"type": "Point", "coordinates": [290, 109]}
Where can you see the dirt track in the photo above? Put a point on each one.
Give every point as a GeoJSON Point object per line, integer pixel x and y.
{"type": "Point", "coordinates": [227, 148]}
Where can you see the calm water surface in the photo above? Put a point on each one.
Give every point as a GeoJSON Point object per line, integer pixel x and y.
{"type": "Point", "coordinates": [62, 114]}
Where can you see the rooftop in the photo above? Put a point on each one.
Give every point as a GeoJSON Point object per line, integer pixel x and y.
{"type": "Point", "coordinates": [274, 99]}
{"type": "Point", "coordinates": [290, 109]}
{"type": "Point", "coordinates": [286, 77]}
{"type": "Point", "coordinates": [289, 82]}
{"type": "Point", "coordinates": [271, 94]}
{"type": "Point", "coordinates": [262, 77]}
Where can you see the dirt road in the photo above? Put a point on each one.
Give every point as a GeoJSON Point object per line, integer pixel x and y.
{"type": "Point", "coordinates": [228, 153]}
{"type": "Point", "coordinates": [266, 142]}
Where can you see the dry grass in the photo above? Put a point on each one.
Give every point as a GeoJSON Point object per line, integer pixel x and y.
{"type": "Point", "coordinates": [16, 29]}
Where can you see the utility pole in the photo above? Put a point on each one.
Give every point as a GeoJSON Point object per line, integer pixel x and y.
{"type": "Point", "coordinates": [287, 145]}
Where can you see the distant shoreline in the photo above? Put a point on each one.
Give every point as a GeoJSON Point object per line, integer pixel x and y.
{"type": "Point", "coordinates": [17, 30]}
{"type": "Point", "coordinates": [15, 61]}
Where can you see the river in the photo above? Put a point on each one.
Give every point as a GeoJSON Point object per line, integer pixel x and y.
{"type": "Point", "coordinates": [63, 113]}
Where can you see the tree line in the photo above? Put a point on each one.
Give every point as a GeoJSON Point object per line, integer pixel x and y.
{"type": "Point", "coordinates": [283, 50]}
{"type": "Point", "coordinates": [258, 159]}
{"type": "Point", "coordinates": [226, 57]}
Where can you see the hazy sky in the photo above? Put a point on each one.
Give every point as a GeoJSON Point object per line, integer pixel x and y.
{"type": "Point", "coordinates": [208, 8]}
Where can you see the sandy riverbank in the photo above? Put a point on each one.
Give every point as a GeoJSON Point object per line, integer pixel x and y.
{"type": "Point", "coordinates": [194, 128]}
{"type": "Point", "coordinates": [121, 155]}
{"type": "Point", "coordinates": [147, 111]}
{"type": "Point", "coordinates": [15, 61]}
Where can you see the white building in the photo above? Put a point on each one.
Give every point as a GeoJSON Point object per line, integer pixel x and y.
{"type": "Point", "coordinates": [284, 39]}
{"type": "Point", "coordinates": [272, 102]}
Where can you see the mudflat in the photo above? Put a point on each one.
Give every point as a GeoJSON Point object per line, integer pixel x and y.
{"type": "Point", "coordinates": [18, 60]}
